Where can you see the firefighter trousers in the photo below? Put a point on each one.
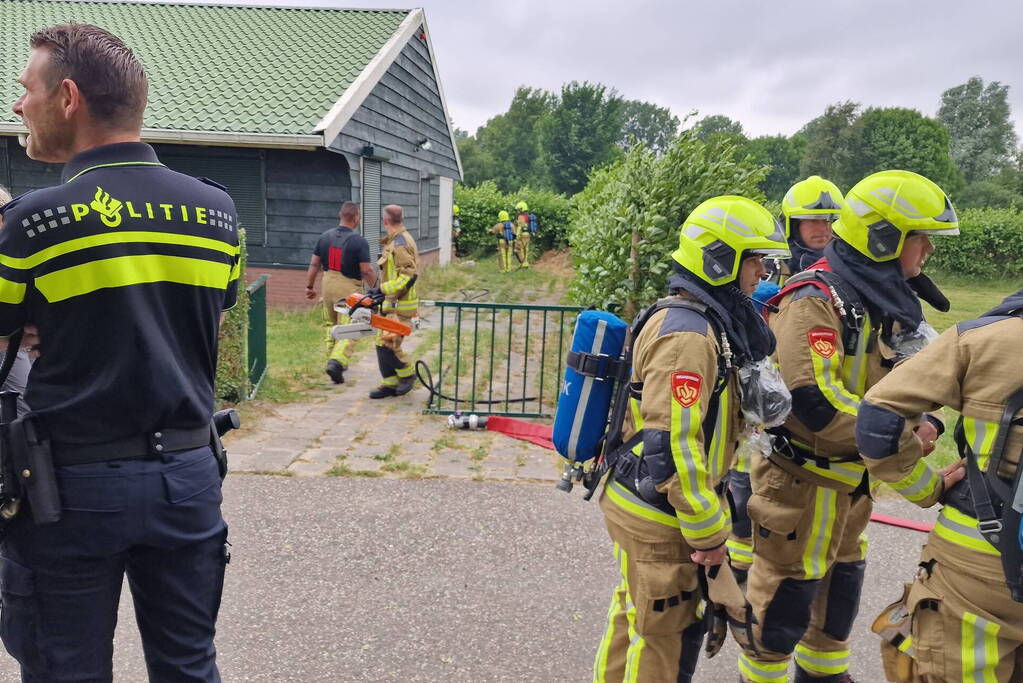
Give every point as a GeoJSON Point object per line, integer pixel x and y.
{"type": "Point", "coordinates": [394, 363]}
{"type": "Point", "coordinates": [965, 624]}
{"type": "Point", "coordinates": [652, 633]}
{"type": "Point", "coordinates": [504, 255]}
{"type": "Point", "coordinates": [522, 249]}
{"type": "Point", "coordinates": [809, 551]}
{"type": "Point", "coordinates": [337, 287]}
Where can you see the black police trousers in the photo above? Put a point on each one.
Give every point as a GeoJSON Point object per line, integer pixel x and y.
{"type": "Point", "coordinates": [158, 521]}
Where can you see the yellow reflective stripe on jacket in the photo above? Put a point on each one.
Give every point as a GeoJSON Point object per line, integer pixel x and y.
{"type": "Point", "coordinates": [849, 473]}
{"type": "Point", "coordinates": [707, 517]}
{"type": "Point", "coordinates": [979, 638]}
{"type": "Point", "coordinates": [980, 434]}
{"type": "Point", "coordinates": [959, 528]}
{"type": "Point", "coordinates": [827, 373]}
{"type": "Point", "coordinates": [742, 460]}
{"type": "Point", "coordinates": [815, 555]}
{"type": "Point", "coordinates": [821, 662]}
{"type": "Point", "coordinates": [123, 237]}
{"type": "Point", "coordinates": [397, 283]}
{"type": "Point", "coordinates": [11, 292]}
{"type": "Point", "coordinates": [763, 672]}
{"type": "Point", "coordinates": [918, 484]}
{"type": "Point", "coordinates": [739, 551]}
{"type": "Point", "coordinates": [637, 419]}
{"type": "Point", "coordinates": [854, 366]}
{"type": "Point", "coordinates": [123, 271]}
{"type": "Point", "coordinates": [627, 500]}
{"type": "Point", "coordinates": [716, 447]}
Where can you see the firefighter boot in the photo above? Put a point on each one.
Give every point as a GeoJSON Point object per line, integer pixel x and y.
{"type": "Point", "coordinates": [405, 385]}
{"type": "Point", "coordinates": [336, 371]}
{"type": "Point", "coordinates": [383, 391]}
{"type": "Point", "coordinates": [803, 677]}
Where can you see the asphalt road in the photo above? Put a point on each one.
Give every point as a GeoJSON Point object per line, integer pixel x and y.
{"type": "Point", "coordinates": [437, 580]}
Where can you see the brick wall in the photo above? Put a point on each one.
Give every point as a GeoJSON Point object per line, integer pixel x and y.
{"type": "Point", "coordinates": [286, 286]}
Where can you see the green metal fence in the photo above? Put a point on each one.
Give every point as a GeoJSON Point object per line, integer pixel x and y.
{"type": "Point", "coordinates": [257, 332]}
{"type": "Point", "coordinates": [498, 359]}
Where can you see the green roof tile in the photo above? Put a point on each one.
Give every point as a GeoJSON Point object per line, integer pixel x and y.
{"type": "Point", "coordinates": [218, 68]}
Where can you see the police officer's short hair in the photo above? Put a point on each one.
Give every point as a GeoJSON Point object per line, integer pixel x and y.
{"type": "Point", "coordinates": [105, 70]}
{"type": "Point", "coordinates": [350, 211]}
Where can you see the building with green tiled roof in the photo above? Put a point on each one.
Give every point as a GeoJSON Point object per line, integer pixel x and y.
{"type": "Point", "coordinates": [295, 110]}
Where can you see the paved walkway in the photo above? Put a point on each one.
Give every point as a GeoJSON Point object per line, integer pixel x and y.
{"type": "Point", "coordinates": [342, 432]}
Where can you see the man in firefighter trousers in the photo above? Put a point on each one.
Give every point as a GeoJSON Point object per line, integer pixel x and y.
{"type": "Point", "coordinates": [959, 620]}
{"type": "Point", "coordinates": [841, 326]}
{"type": "Point", "coordinates": [664, 503]}
{"type": "Point", "coordinates": [399, 268]}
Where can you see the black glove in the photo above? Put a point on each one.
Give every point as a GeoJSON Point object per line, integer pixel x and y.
{"type": "Point", "coordinates": [375, 294]}
{"type": "Point", "coordinates": [929, 292]}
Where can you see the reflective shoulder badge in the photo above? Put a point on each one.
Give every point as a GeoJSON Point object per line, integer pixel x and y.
{"type": "Point", "coordinates": [822, 341]}
{"type": "Point", "coordinates": [685, 387]}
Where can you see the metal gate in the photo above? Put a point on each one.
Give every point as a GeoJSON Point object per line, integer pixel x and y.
{"type": "Point", "coordinates": [257, 332]}
{"type": "Point", "coordinates": [499, 359]}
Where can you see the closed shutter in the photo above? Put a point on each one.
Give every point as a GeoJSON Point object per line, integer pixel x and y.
{"type": "Point", "coordinates": [424, 209]}
{"type": "Point", "coordinates": [371, 219]}
{"type": "Point", "coordinates": [243, 173]}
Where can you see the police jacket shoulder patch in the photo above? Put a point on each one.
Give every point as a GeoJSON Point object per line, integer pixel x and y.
{"type": "Point", "coordinates": [214, 183]}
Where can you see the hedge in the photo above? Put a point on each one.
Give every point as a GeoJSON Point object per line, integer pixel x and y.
{"type": "Point", "coordinates": [480, 205]}
{"type": "Point", "coordinates": [233, 350]}
{"type": "Point", "coordinates": [990, 245]}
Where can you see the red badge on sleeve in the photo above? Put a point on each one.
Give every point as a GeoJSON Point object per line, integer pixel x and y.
{"type": "Point", "coordinates": [822, 341]}
{"type": "Point", "coordinates": [685, 387]}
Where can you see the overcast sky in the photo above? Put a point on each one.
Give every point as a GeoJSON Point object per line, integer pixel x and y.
{"type": "Point", "coordinates": [771, 64]}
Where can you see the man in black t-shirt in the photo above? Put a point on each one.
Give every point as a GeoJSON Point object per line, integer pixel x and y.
{"type": "Point", "coordinates": [124, 269]}
{"type": "Point", "coordinates": [343, 256]}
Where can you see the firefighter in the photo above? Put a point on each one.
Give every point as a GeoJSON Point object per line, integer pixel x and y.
{"type": "Point", "coordinates": [663, 503]}
{"type": "Point", "coordinates": [807, 212]}
{"type": "Point", "coordinates": [959, 621]}
{"type": "Point", "coordinates": [505, 231]}
{"type": "Point", "coordinates": [523, 235]}
{"type": "Point", "coordinates": [399, 266]}
{"type": "Point", "coordinates": [841, 326]}
{"type": "Point", "coordinates": [343, 256]}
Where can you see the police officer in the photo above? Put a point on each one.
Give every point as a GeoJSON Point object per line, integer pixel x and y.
{"type": "Point", "coordinates": [506, 233]}
{"type": "Point", "coordinates": [17, 379]}
{"type": "Point", "coordinates": [841, 327]}
{"type": "Point", "coordinates": [523, 236]}
{"type": "Point", "coordinates": [124, 269]}
{"type": "Point", "coordinates": [807, 211]}
{"type": "Point", "coordinates": [399, 266]}
{"type": "Point", "coordinates": [343, 256]}
{"type": "Point", "coordinates": [663, 504]}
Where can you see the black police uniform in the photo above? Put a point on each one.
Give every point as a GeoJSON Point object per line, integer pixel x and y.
{"type": "Point", "coordinates": [125, 269]}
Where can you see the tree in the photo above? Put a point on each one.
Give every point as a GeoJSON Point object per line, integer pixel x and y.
{"type": "Point", "coordinates": [782, 156]}
{"type": "Point", "coordinates": [979, 125]}
{"type": "Point", "coordinates": [625, 223]}
{"type": "Point", "coordinates": [647, 123]}
{"type": "Point", "coordinates": [828, 149]}
{"type": "Point", "coordinates": [905, 139]}
{"type": "Point", "coordinates": [510, 142]}
{"type": "Point", "coordinates": [717, 124]}
{"type": "Point", "coordinates": [580, 134]}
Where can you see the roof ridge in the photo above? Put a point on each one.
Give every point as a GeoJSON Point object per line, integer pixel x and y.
{"type": "Point", "coordinates": [193, 3]}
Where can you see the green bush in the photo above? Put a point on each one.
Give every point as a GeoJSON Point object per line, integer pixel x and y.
{"type": "Point", "coordinates": [625, 223]}
{"type": "Point", "coordinates": [990, 245]}
{"type": "Point", "coordinates": [480, 205]}
{"type": "Point", "coordinates": [233, 350]}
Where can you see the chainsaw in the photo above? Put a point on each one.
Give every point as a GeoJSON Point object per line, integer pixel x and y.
{"type": "Point", "coordinates": [364, 312]}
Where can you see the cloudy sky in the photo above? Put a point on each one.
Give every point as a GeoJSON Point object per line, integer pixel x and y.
{"type": "Point", "coordinates": [771, 64]}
